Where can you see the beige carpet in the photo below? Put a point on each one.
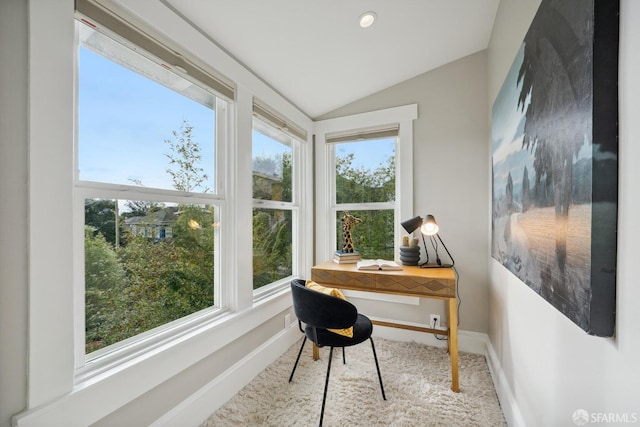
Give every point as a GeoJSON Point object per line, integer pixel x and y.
{"type": "Point", "coordinates": [416, 378]}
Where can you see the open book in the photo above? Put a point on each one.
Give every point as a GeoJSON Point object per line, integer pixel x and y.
{"type": "Point", "coordinates": [377, 264]}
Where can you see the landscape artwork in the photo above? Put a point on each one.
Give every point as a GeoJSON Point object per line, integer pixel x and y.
{"type": "Point", "coordinates": [555, 159]}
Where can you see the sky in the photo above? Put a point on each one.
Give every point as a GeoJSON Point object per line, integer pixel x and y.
{"type": "Point", "coordinates": [124, 119]}
{"type": "Point", "coordinates": [508, 122]}
{"type": "Point", "coordinates": [508, 132]}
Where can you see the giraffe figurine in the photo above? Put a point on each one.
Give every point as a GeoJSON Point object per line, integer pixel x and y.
{"type": "Point", "coordinates": [348, 222]}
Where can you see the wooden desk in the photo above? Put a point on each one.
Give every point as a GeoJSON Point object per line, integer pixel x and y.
{"type": "Point", "coordinates": [436, 283]}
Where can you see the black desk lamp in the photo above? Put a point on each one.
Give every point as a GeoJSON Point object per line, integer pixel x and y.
{"type": "Point", "coordinates": [428, 227]}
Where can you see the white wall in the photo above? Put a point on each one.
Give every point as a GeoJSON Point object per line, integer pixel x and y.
{"type": "Point", "coordinates": [450, 176]}
{"type": "Point", "coordinates": [550, 366]}
{"type": "Point", "coordinates": [13, 208]}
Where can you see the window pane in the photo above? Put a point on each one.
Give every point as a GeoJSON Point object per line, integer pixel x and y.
{"type": "Point", "coordinates": [154, 267]}
{"type": "Point", "coordinates": [365, 171]}
{"type": "Point", "coordinates": [272, 156]}
{"type": "Point", "coordinates": [134, 117]}
{"type": "Point", "coordinates": [373, 237]}
{"type": "Point", "coordinates": [272, 246]}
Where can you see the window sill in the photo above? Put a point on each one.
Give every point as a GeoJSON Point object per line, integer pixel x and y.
{"type": "Point", "coordinates": [116, 380]}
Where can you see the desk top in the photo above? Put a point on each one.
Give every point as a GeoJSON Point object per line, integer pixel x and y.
{"type": "Point", "coordinates": [411, 280]}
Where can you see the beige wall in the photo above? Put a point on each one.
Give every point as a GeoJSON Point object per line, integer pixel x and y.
{"type": "Point", "coordinates": [450, 174]}
{"type": "Point", "coordinates": [551, 367]}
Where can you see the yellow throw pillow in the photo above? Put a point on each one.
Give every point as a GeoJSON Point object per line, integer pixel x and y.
{"type": "Point", "coordinates": [348, 332]}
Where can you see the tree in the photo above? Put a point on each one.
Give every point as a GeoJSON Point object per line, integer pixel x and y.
{"type": "Point", "coordinates": [101, 216]}
{"type": "Point", "coordinates": [272, 228]}
{"type": "Point", "coordinates": [509, 194]}
{"type": "Point", "coordinates": [287, 177]}
{"type": "Point", "coordinates": [272, 231]}
{"type": "Point", "coordinates": [526, 192]}
{"type": "Point", "coordinates": [140, 207]}
{"type": "Point", "coordinates": [104, 280]}
{"type": "Point", "coordinates": [374, 237]}
{"type": "Point", "coordinates": [150, 281]}
{"type": "Point", "coordinates": [362, 185]}
{"type": "Point", "coordinates": [184, 160]}
{"type": "Point", "coordinates": [555, 76]}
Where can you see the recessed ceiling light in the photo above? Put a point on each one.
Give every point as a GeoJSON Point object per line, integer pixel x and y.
{"type": "Point", "coordinates": [367, 19]}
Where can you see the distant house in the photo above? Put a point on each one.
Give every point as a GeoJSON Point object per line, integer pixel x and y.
{"type": "Point", "coordinates": [267, 187]}
{"type": "Point", "coordinates": [157, 225]}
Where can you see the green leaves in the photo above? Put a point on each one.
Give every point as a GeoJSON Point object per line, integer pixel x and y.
{"type": "Point", "coordinates": [184, 161]}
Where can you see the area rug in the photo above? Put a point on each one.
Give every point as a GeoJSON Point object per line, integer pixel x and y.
{"type": "Point", "coordinates": [417, 382]}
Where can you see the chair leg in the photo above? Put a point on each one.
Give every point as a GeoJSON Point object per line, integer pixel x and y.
{"type": "Point", "coordinates": [298, 358]}
{"type": "Point", "coordinates": [375, 357]}
{"type": "Point", "coordinates": [344, 361]}
{"type": "Point", "coordinates": [326, 386]}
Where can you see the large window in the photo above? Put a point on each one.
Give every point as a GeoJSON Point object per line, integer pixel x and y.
{"type": "Point", "coordinates": [146, 175]}
{"type": "Point", "coordinates": [196, 237]}
{"type": "Point", "coordinates": [364, 167]}
{"type": "Point", "coordinates": [365, 176]}
{"type": "Point", "coordinates": [274, 203]}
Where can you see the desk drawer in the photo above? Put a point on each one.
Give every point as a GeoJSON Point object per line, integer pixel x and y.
{"type": "Point", "coordinates": [415, 286]}
{"type": "Point", "coordinates": [391, 282]}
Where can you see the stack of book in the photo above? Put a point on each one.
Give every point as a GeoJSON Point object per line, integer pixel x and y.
{"type": "Point", "coordinates": [346, 257]}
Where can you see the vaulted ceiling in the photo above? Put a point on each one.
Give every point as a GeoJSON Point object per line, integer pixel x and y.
{"type": "Point", "coordinates": [316, 55]}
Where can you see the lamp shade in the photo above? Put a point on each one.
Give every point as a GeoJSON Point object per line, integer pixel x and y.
{"type": "Point", "coordinates": [412, 224]}
{"type": "Point", "coordinates": [429, 227]}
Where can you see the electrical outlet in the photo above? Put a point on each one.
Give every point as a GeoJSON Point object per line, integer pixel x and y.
{"type": "Point", "coordinates": [434, 321]}
{"type": "Point", "coordinates": [287, 321]}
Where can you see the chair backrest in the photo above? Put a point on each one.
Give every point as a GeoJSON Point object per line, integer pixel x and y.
{"type": "Point", "coordinates": [321, 310]}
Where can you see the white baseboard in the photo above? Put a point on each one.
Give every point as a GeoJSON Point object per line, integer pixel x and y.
{"type": "Point", "coordinates": [509, 405]}
{"type": "Point", "coordinates": [470, 342]}
{"type": "Point", "coordinates": [195, 409]}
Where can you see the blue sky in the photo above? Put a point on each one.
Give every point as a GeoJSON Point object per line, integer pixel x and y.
{"type": "Point", "coordinates": [369, 154]}
{"type": "Point", "coordinates": [125, 118]}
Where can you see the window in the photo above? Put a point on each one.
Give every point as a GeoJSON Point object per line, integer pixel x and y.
{"type": "Point", "coordinates": [63, 379]}
{"type": "Point", "coordinates": [147, 130]}
{"type": "Point", "coordinates": [275, 203]}
{"type": "Point", "coordinates": [365, 176]}
{"type": "Point", "coordinates": [365, 169]}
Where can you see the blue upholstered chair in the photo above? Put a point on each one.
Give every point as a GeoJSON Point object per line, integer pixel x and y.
{"type": "Point", "coordinates": [319, 312]}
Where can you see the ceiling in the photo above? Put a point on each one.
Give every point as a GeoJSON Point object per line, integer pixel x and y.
{"type": "Point", "coordinates": [315, 54]}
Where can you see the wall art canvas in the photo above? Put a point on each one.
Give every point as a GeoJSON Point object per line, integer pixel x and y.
{"type": "Point", "coordinates": [554, 161]}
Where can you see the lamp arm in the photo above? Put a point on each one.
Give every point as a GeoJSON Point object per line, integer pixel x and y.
{"type": "Point", "coordinates": [445, 248]}
{"type": "Point", "coordinates": [426, 251]}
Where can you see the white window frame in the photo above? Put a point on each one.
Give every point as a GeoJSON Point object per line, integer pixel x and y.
{"type": "Point", "coordinates": [90, 365]}
{"type": "Point", "coordinates": [52, 388]}
{"type": "Point", "coordinates": [326, 239]}
{"type": "Point", "coordinates": [293, 206]}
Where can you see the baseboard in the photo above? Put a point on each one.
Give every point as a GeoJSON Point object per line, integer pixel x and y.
{"type": "Point", "coordinates": [195, 409]}
{"type": "Point", "coordinates": [468, 341]}
{"type": "Point", "coordinates": [509, 405]}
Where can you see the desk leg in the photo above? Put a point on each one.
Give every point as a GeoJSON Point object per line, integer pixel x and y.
{"type": "Point", "coordinates": [453, 343]}
{"type": "Point", "coordinates": [316, 352]}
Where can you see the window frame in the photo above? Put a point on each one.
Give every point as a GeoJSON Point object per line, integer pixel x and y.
{"type": "Point", "coordinates": [88, 366]}
{"type": "Point", "coordinates": [53, 390]}
{"type": "Point", "coordinates": [293, 206]}
{"type": "Point", "coordinates": [326, 206]}
{"type": "Point", "coordinates": [365, 206]}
